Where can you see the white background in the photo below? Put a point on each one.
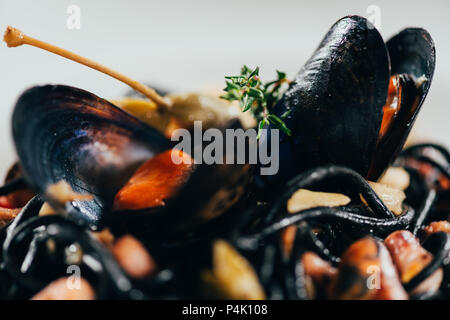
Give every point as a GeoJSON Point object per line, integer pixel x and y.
{"type": "Point", "coordinates": [186, 45]}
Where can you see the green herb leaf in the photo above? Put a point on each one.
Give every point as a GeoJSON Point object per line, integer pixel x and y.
{"type": "Point", "coordinates": [257, 97]}
{"type": "Point", "coordinates": [254, 73]}
{"type": "Point", "coordinates": [277, 122]}
{"type": "Point", "coordinates": [284, 115]}
{"type": "Point", "coordinates": [256, 93]}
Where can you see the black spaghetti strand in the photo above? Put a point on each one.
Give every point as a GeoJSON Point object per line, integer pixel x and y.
{"type": "Point", "coordinates": [330, 214]}
{"type": "Point", "coordinates": [61, 227]}
{"type": "Point", "coordinates": [424, 211]}
{"type": "Point", "coordinates": [437, 166]}
{"type": "Point", "coordinates": [321, 174]}
{"type": "Point", "coordinates": [414, 150]}
{"type": "Point", "coordinates": [13, 185]}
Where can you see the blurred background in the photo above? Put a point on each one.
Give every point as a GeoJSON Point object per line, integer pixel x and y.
{"type": "Point", "coordinates": [188, 45]}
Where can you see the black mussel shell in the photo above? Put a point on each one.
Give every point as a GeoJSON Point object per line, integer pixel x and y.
{"type": "Point", "coordinates": [412, 52]}
{"type": "Point", "coordinates": [210, 191]}
{"type": "Point", "coordinates": [392, 143]}
{"type": "Point", "coordinates": [336, 100]}
{"type": "Point", "coordinates": [66, 133]}
{"type": "Point", "coordinates": [413, 56]}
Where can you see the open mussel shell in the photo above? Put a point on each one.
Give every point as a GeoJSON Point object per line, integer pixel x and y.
{"type": "Point", "coordinates": [211, 191]}
{"type": "Point", "coordinates": [64, 133]}
{"type": "Point", "coordinates": [413, 56]}
{"type": "Point", "coordinates": [412, 52]}
{"type": "Point", "coordinates": [336, 99]}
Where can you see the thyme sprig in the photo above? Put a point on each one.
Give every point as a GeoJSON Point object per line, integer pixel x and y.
{"type": "Point", "coordinates": [257, 97]}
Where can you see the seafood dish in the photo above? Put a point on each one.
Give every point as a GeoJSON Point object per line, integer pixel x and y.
{"type": "Point", "coordinates": [104, 200]}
